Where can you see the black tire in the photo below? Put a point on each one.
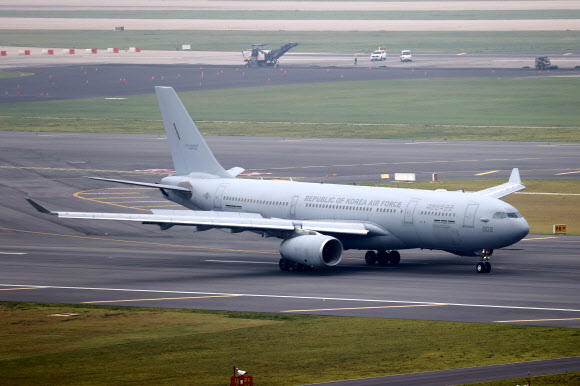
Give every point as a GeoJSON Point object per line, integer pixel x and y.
{"type": "Point", "coordinates": [487, 267]}
{"type": "Point", "coordinates": [284, 264]}
{"type": "Point", "coordinates": [480, 267]}
{"type": "Point", "coordinates": [383, 258]}
{"type": "Point", "coordinates": [394, 257]}
{"type": "Point", "coordinates": [371, 257]}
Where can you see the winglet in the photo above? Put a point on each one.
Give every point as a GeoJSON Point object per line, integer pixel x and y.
{"type": "Point", "coordinates": [515, 176]}
{"type": "Point", "coordinates": [38, 207]}
{"type": "Point", "coordinates": [513, 185]}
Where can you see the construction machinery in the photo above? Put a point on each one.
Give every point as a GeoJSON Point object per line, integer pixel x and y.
{"type": "Point", "coordinates": [544, 63]}
{"type": "Point", "coordinates": [258, 56]}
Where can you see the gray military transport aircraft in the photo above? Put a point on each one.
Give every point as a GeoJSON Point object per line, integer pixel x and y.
{"type": "Point", "coordinates": [317, 222]}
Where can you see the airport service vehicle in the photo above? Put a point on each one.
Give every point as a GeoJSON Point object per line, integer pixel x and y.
{"type": "Point", "coordinates": [380, 54]}
{"type": "Point", "coordinates": [258, 56]}
{"type": "Point", "coordinates": [544, 63]}
{"type": "Point", "coordinates": [406, 56]}
{"type": "Point", "coordinates": [317, 222]}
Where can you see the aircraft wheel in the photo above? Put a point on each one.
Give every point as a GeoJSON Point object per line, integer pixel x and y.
{"type": "Point", "coordinates": [487, 267]}
{"type": "Point", "coordinates": [371, 257]}
{"type": "Point", "coordinates": [284, 264]}
{"type": "Point", "coordinates": [480, 267]}
{"type": "Point", "coordinates": [383, 258]}
{"type": "Point", "coordinates": [394, 257]}
{"type": "Point", "coordinates": [297, 267]}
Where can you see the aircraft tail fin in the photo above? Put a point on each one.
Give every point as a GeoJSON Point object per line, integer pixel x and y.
{"type": "Point", "coordinates": [189, 151]}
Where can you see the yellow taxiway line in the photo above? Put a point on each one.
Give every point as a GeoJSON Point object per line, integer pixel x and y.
{"type": "Point", "coordinates": [576, 172]}
{"type": "Point", "coordinates": [144, 300]}
{"type": "Point", "coordinates": [186, 247]}
{"type": "Point", "coordinates": [492, 171]}
{"type": "Point", "coordinates": [364, 308]}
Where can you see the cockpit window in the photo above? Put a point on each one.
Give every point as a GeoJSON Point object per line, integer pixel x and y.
{"type": "Point", "coordinates": [499, 215]}
{"type": "Point", "coordinates": [514, 215]}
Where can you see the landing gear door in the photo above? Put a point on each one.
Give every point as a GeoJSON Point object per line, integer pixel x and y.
{"type": "Point", "coordinates": [217, 203]}
{"type": "Point", "coordinates": [410, 211]}
{"type": "Point", "coordinates": [469, 218]}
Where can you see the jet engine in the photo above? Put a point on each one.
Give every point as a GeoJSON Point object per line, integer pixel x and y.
{"type": "Point", "coordinates": [312, 250]}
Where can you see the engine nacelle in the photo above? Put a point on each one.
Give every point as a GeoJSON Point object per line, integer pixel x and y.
{"type": "Point", "coordinates": [313, 250]}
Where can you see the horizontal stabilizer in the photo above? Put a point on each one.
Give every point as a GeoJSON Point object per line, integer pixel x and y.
{"type": "Point", "coordinates": [234, 172]}
{"type": "Point", "coordinates": [147, 184]}
{"type": "Point", "coordinates": [513, 185]}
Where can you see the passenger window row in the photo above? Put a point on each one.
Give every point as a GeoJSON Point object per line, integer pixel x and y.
{"type": "Point", "coordinates": [444, 214]}
{"type": "Point", "coordinates": [253, 201]}
{"type": "Point", "coordinates": [328, 206]}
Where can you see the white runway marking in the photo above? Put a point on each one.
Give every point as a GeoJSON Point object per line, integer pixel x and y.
{"type": "Point", "coordinates": [240, 261]}
{"type": "Point", "coordinates": [13, 253]}
{"type": "Point", "coordinates": [296, 297]}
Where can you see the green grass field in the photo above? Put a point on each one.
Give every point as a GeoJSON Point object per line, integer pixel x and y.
{"type": "Point", "coordinates": [303, 15]}
{"type": "Point", "coordinates": [346, 42]}
{"type": "Point", "coordinates": [541, 211]}
{"type": "Point", "coordinates": [13, 74]}
{"type": "Point", "coordinates": [452, 109]}
{"type": "Point", "coordinates": [119, 345]}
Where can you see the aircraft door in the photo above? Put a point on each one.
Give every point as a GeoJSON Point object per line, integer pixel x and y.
{"type": "Point", "coordinates": [410, 211]}
{"type": "Point", "coordinates": [293, 207]}
{"type": "Point", "coordinates": [469, 218]}
{"type": "Point", "coordinates": [217, 203]}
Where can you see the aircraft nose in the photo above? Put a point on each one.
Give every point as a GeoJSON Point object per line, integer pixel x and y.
{"type": "Point", "coordinates": [521, 229]}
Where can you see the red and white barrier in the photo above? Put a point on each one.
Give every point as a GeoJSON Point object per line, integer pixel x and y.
{"type": "Point", "coordinates": [134, 49]}
{"type": "Point", "coordinates": [113, 50]}
{"type": "Point", "coordinates": [47, 52]}
{"type": "Point", "coordinates": [3, 53]}
{"type": "Point", "coordinates": [24, 52]}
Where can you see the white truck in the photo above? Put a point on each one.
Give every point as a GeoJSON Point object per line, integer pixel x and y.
{"type": "Point", "coordinates": [406, 56]}
{"type": "Point", "coordinates": [380, 54]}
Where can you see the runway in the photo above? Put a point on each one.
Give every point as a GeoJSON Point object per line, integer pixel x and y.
{"type": "Point", "coordinates": [564, 59]}
{"type": "Point", "coordinates": [92, 262]}
{"type": "Point", "coordinates": [118, 80]}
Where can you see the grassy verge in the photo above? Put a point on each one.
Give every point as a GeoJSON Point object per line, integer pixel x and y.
{"type": "Point", "coordinates": [541, 211]}
{"type": "Point", "coordinates": [347, 42]}
{"type": "Point", "coordinates": [466, 109]}
{"type": "Point", "coordinates": [13, 74]}
{"type": "Point", "coordinates": [304, 15]}
{"type": "Point", "coordinates": [116, 345]}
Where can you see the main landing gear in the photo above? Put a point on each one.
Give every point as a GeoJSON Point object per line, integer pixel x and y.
{"type": "Point", "coordinates": [287, 265]}
{"type": "Point", "coordinates": [383, 257]}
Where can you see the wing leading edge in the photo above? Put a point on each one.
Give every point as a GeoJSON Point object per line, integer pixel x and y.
{"type": "Point", "coordinates": [213, 219]}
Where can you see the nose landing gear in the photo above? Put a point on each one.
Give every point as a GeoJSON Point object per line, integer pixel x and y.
{"type": "Point", "coordinates": [484, 266]}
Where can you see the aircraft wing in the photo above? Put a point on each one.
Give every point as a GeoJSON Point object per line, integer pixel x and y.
{"type": "Point", "coordinates": [213, 219]}
{"type": "Point", "coordinates": [513, 185]}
